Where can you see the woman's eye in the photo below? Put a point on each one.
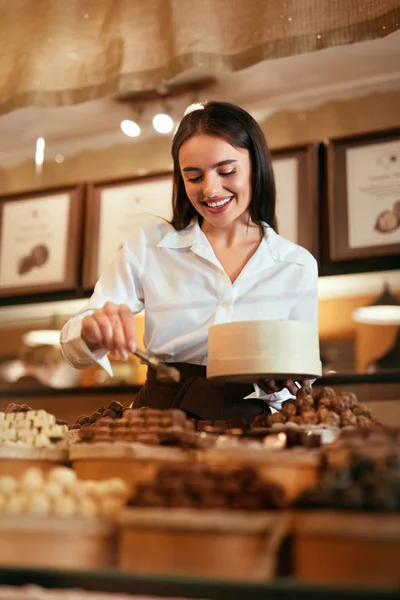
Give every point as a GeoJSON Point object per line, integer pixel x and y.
{"type": "Point", "coordinates": [226, 174]}
{"type": "Point", "coordinates": [194, 179]}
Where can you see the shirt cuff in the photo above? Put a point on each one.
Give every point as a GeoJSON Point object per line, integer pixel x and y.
{"type": "Point", "coordinates": [77, 352]}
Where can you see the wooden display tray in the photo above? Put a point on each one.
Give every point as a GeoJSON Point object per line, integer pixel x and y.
{"type": "Point", "coordinates": [347, 548]}
{"type": "Point", "coordinates": [134, 463]}
{"type": "Point", "coordinates": [56, 542]}
{"type": "Point", "coordinates": [206, 543]}
{"type": "Point", "coordinates": [15, 460]}
{"type": "Point", "coordinates": [294, 469]}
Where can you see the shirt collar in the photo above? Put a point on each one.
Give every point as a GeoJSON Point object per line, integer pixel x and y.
{"type": "Point", "coordinates": [278, 249]}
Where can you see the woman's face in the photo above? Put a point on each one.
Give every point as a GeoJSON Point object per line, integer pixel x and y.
{"type": "Point", "coordinates": [217, 179]}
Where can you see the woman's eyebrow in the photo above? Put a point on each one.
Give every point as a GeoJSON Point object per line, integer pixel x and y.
{"type": "Point", "coordinates": [214, 166]}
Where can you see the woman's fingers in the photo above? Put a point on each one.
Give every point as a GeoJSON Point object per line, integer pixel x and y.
{"type": "Point", "coordinates": [129, 328]}
{"type": "Point", "coordinates": [268, 386]}
{"type": "Point", "coordinates": [112, 328]}
{"type": "Point", "coordinates": [290, 385]}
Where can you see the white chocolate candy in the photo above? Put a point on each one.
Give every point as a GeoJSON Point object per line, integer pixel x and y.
{"type": "Point", "coordinates": [8, 484]}
{"type": "Point", "coordinates": [53, 489]}
{"type": "Point", "coordinates": [87, 507]}
{"type": "Point", "coordinates": [114, 487]}
{"type": "Point", "coordinates": [93, 488]}
{"type": "Point", "coordinates": [62, 475]}
{"type": "Point", "coordinates": [32, 480]}
{"type": "Point", "coordinates": [42, 441]}
{"type": "Point", "coordinates": [15, 504]}
{"type": "Point", "coordinates": [65, 506]}
{"type": "Point", "coordinates": [2, 416]}
{"type": "Point", "coordinates": [38, 504]}
{"type": "Point", "coordinates": [109, 507]}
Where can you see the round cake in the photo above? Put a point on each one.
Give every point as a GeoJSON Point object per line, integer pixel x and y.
{"type": "Point", "coordinates": [252, 350]}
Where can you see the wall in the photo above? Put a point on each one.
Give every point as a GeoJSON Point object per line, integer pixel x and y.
{"type": "Point", "coordinates": [283, 128]}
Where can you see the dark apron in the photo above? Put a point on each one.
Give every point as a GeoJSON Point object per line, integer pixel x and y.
{"type": "Point", "coordinates": [199, 397]}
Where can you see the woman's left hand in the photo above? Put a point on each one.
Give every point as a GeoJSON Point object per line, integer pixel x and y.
{"type": "Point", "coordinates": [271, 386]}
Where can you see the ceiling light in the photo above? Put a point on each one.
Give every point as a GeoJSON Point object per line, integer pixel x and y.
{"type": "Point", "coordinates": [163, 123]}
{"type": "Point", "coordinates": [130, 128]}
{"type": "Point", "coordinates": [59, 158]}
{"type": "Point", "coordinates": [40, 144]}
{"type": "Point", "coordinates": [40, 337]}
{"type": "Point", "coordinates": [39, 154]}
{"type": "Point", "coordinates": [384, 311]}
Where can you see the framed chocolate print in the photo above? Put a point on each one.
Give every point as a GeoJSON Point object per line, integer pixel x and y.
{"type": "Point", "coordinates": [364, 195]}
{"type": "Point", "coordinates": [114, 209]}
{"type": "Point", "coordinates": [40, 241]}
{"type": "Point", "coordinates": [296, 178]}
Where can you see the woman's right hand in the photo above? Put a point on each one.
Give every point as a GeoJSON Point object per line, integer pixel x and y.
{"type": "Point", "coordinates": [111, 328]}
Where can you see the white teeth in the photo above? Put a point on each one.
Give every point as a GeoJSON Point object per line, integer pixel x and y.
{"type": "Point", "coordinates": [218, 204]}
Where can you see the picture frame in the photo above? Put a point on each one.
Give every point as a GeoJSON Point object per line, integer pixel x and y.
{"type": "Point", "coordinates": [296, 180]}
{"type": "Point", "coordinates": [113, 209]}
{"type": "Point", "coordinates": [41, 241]}
{"type": "Point", "coordinates": [364, 195]}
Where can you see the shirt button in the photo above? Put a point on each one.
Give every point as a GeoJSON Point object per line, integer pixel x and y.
{"type": "Point", "coordinates": [225, 304]}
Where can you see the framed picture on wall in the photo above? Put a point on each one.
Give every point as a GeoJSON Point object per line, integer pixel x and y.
{"type": "Point", "coordinates": [364, 195]}
{"type": "Point", "coordinates": [114, 209]}
{"type": "Point", "coordinates": [41, 241]}
{"type": "Point", "coordinates": [296, 178]}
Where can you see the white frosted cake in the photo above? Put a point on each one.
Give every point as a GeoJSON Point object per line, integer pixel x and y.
{"type": "Point", "coordinates": [251, 350]}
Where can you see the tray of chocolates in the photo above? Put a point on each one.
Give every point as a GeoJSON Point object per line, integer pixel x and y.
{"type": "Point", "coordinates": [31, 435]}
{"type": "Point", "coordinates": [52, 519]}
{"type": "Point", "coordinates": [319, 409]}
{"type": "Point", "coordinates": [204, 514]}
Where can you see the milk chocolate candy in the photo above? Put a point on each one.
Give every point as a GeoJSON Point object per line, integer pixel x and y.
{"type": "Point", "coordinates": [103, 422]}
{"type": "Point", "coordinates": [309, 417]}
{"type": "Point", "coordinates": [95, 417]}
{"type": "Point", "coordinates": [39, 255]}
{"type": "Point", "coordinates": [362, 410]}
{"type": "Point", "coordinates": [118, 435]}
{"type": "Point", "coordinates": [83, 419]}
{"type": "Point", "coordinates": [275, 418]}
{"type": "Point", "coordinates": [153, 422]}
{"type": "Point", "coordinates": [289, 408]}
{"type": "Point", "coordinates": [102, 436]}
{"type": "Point", "coordinates": [178, 416]}
{"type": "Point", "coordinates": [119, 423]}
{"type": "Point", "coordinates": [61, 422]}
{"type": "Point", "coordinates": [24, 408]}
{"type": "Point", "coordinates": [118, 407]}
{"type": "Point", "coordinates": [350, 400]}
{"type": "Point", "coordinates": [86, 433]}
{"type": "Point", "coordinates": [75, 426]}
{"type": "Point", "coordinates": [150, 439]}
{"type": "Point", "coordinates": [202, 424]}
{"type": "Point", "coordinates": [109, 412]}
{"type": "Point", "coordinates": [236, 432]}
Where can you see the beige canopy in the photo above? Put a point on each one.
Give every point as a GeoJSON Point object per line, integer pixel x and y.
{"type": "Point", "coordinates": [62, 52]}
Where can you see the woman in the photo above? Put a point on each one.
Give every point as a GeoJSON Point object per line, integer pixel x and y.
{"type": "Point", "coordinates": [219, 261]}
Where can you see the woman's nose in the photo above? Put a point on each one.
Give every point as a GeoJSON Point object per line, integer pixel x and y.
{"type": "Point", "coordinates": [211, 186]}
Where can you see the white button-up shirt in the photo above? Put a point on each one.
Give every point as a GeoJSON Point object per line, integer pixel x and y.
{"type": "Point", "coordinates": [176, 277]}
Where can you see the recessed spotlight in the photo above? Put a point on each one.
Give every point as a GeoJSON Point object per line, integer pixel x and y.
{"type": "Point", "coordinates": [130, 128]}
{"type": "Point", "coordinates": [59, 158]}
{"type": "Point", "coordinates": [163, 123]}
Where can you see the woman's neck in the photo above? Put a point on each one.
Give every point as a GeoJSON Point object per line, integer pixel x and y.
{"type": "Point", "coordinates": [239, 232]}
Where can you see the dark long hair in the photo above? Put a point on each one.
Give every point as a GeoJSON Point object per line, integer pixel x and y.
{"type": "Point", "coordinates": [240, 130]}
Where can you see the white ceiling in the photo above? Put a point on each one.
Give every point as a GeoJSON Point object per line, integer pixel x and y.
{"type": "Point", "coordinates": [291, 83]}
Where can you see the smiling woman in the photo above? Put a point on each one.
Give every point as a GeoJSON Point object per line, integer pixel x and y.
{"type": "Point", "coordinates": [218, 261]}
